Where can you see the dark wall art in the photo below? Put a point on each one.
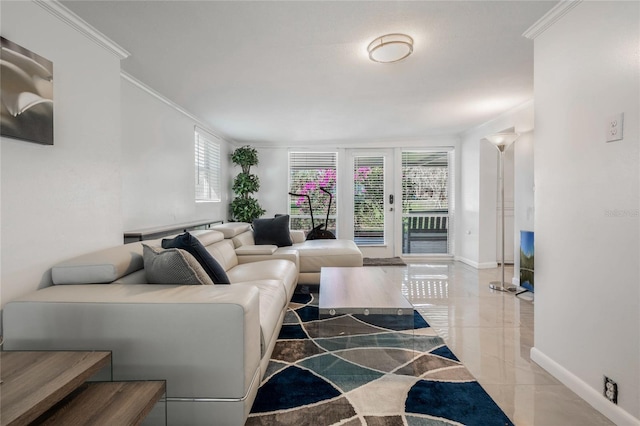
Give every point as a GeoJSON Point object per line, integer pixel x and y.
{"type": "Point", "coordinates": [26, 94]}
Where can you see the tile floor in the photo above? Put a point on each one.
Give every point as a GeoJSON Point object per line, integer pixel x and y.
{"type": "Point", "coordinates": [492, 333]}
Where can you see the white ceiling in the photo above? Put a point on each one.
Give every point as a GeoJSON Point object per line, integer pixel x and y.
{"type": "Point", "coordinates": [298, 72]}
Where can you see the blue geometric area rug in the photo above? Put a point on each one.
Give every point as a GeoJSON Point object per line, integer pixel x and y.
{"type": "Point", "coordinates": [352, 370]}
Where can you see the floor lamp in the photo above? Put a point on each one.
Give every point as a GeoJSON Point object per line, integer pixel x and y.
{"type": "Point", "coordinates": [502, 141]}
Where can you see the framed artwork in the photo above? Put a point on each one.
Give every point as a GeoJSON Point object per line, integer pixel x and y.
{"type": "Point", "coordinates": [26, 94]}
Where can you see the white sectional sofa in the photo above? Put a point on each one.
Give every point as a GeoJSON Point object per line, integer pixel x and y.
{"type": "Point", "coordinates": [310, 256]}
{"type": "Point", "coordinates": [212, 343]}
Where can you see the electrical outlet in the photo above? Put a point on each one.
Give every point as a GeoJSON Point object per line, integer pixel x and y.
{"type": "Point", "coordinates": [615, 127]}
{"type": "Point", "coordinates": [610, 390]}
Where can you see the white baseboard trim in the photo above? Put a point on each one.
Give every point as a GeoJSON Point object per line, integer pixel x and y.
{"type": "Point", "coordinates": [613, 412]}
{"type": "Point", "coordinates": [485, 265]}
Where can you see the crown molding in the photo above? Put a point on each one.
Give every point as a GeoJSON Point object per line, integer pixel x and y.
{"type": "Point", "coordinates": [550, 18]}
{"type": "Point", "coordinates": [77, 23]}
{"type": "Point", "coordinates": [502, 115]}
{"type": "Point", "coordinates": [199, 123]}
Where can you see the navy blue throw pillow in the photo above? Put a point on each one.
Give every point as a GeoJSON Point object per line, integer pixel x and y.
{"type": "Point", "coordinates": [272, 231]}
{"type": "Point", "coordinates": [194, 247]}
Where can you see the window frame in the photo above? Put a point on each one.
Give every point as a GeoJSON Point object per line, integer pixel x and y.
{"type": "Point", "coordinates": [207, 163]}
{"type": "Point", "coordinates": [322, 160]}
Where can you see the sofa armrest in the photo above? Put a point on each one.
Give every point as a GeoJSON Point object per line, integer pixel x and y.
{"type": "Point", "coordinates": [204, 340]}
{"type": "Point", "coordinates": [281, 253]}
{"type": "Point", "coordinates": [253, 250]}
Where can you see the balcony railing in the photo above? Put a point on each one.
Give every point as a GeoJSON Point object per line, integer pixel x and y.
{"type": "Point", "coordinates": [425, 232]}
{"type": "Point", "coordinates": [422, 233]}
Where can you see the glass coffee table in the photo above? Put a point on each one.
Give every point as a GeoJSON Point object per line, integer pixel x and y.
{"type": "Point", "coordinates": [356, 300]}
{"type": "Point", "coordinates": [361, 291]}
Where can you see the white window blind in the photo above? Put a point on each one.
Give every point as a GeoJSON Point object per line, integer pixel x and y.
{"type": "Point", "coordinates": [207, 167]}
{"type": "Point", "coordinates": [308, 172]}
{"type": "Point", "coordinates": [425, 181]}
{"type": "Point", "coordinates": [426, 214]}
{"type": "Point", "coordinates": [368, 199]}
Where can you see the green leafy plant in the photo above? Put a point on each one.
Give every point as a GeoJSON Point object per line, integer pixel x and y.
{"type": "Point", "coordinates": [245, 183]}
{"type": "Point", "coordinates": [245, 208]}
{"type": "Point", "coordinates": [245, 157]}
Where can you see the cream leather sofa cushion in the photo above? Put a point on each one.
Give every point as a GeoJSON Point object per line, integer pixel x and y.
{"type": "Point", "coordinates": [297, 236]}
{"type": "Point", "coordinates": [315, 254]}
{"type": "Point", "coordinates": [225, 253]}
{"type": "Point", "coordinates": [253, 250]}
{"type": "Point", "coordinates": [207, 236]}
{"type": "Point", "coordinates": [243, 239]}
{"type": "Point", "coordinates": [100, 267]}
{"type": "Point", "coordinates": [281, 253]}
{"type": "Point", "coordinates": [272, 303]}
{"type": "Point", "coordinates": [231, 229]}
{"type": "Point", "coordinates": [275, 269]}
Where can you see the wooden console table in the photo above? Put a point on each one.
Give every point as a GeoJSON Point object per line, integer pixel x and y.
{"type": "Point", "coordinates": [49, 386]}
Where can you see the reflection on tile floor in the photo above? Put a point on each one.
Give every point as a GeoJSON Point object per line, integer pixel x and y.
{"type": "Point", "coordinates": [492, 334]}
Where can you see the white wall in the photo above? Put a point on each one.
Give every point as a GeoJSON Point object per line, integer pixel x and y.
{"type": "Point", "coordinates": [273, 171]}
{"type": "Point", "coordinates": [62, 200]}
{"type": "Point", "coordinates": [478, 238]}
{"type": "Point", "coordinates": [587, 321]}
{"type": "Point", "coordinates": [158, 164]}
{"type": "Point", "coordinates": [523, 190]}
{"type": "Point", "coordinates": [468, 208]}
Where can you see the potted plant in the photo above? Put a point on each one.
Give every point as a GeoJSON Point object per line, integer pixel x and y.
{"type": "Point", "coordinates": [245, 208]}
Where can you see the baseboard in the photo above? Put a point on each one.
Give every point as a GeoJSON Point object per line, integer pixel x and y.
{"type": "Point", "coordinates": [427, 258]}
{"type": "Point", "coordinates": [613, 412]}
{"type": "Point", "coordinates": [485, 265]}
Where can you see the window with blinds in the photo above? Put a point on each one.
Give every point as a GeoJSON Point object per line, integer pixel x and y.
{"type": "Point", "coordinates": [308, 172]}
{"type": "Point", "coordinates": [207, 167]}
{"type": "Point", "coordinates": [368, 200]}
{"type": "Point", "coordinates": [425, 202]}
{"type": "Point", "coordinates": [425, 181]}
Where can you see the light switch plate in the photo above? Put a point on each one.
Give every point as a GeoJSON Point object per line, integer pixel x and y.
{"type": "Point", "coordinates": [615, 127]}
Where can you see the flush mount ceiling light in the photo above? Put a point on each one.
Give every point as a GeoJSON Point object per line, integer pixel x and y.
{"type": "Point", "coordinates": [390, 48]}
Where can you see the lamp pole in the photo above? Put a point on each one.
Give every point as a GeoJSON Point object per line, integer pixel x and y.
{"type": "Point", "coordinates": [502, 141]}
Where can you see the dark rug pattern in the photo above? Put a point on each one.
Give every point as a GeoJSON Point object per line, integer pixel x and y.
{"type": "Point", "coordinates": [383, 261]}
{"type": "Point", "coordinates": [351, 371]}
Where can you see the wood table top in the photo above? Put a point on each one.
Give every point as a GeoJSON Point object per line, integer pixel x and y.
{"type": "Point", "coordinates": [33, 381]}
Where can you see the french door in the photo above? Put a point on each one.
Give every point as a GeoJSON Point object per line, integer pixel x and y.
{"type": "Point", "coordinates": [371, 201]}
{"type": "Point", "coordinates": [398, 201]}
{"type": "Point", "coordinates": [426, 202]}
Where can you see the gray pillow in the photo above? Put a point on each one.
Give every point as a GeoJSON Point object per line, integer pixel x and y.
{"type": "Point", "coordinates": [195, 248]}
{"type": "Point", "coordinates": [172, 266]}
